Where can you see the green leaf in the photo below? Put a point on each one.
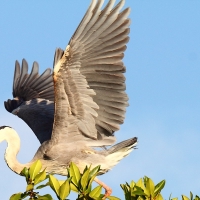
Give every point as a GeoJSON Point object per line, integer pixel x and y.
{"type": "Point", "coordinates": [88, 190]}
{"type": "Point", "coordinates": [92, 179]}
{"type": "Point", "coordinates": [86, 168]}
{"type": "Point", "coordinates": [84, 179]}
{"type": "Point", "coordinates": [64, 190]}
{"type": "Point", "coordinates": [16, 196]}
{"type": "Point", "coordinates": [126, 189]}
{"type": "Point", "coordinates": [74, 188]}
{"type": "Point", "coordinates": [61, 182]}
{"type": "Point", "coordinates": [24, 195]}
{"type": "Point", "coordinates": [128, 186]}
{"type": "Point", "coordinates": [95, 198]}
{"type": "Point", "coordinates": [95, 192]}
{"type": "Point", "coordinates": [140, 184]}
{"type": "Point", "coordinates": [45, 197]}
{"type": "Point", "coordinates": [54, 184]}
{"type": "Point", "coordinates": [74, 173]}
{"type": "Point", "coordinates": [191, 196]}
{"type": "Point", "coordinates": [35, 169]}
{"type": "Point", "coordinates": [150, 186]}
{"type": "Point", "coordinates": [122, 186]}
{"type": "Point", "coordinates": [185, 198]}
{"type": "Point", "coordinates": [159, 187]}
{"type": "Point", "coordinates": [113, 198]}
{"type": "Point", "coordinates": [42, 186]}
{"type": "Point", "coordinates": [140, 198]}
{"type": "Point", "coordinates": [94, 171]}
{"type": "Point", "coordinates": [40, 177]}
{"type": "Point", "coordinates": [24, 172]}
{"type": "Point", "coordinates": [145, 180]}
{"type": "Point", "coordinates": [29, 187]}
{"type": "Point", "coordinates": [159, 197]}
{"type": "Point", "coordinates": [132, 184]}
{"type": "Point", "coordinates": [138, 191]}
{"type": "Point", "coordinates": [196, 198]}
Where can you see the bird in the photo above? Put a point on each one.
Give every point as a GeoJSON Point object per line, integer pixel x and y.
{"type": "Point", "coordinates": [78, 105]}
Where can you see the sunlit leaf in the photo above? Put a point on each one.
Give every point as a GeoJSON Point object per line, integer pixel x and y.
{"type": "Point", "coordinates": [138, 191]}
{"type": "Point", "coordinates": [196, 198]}
{"type": "Point", "coordinates": [132, 184]}
{"type": "Point", "coordinates": [95, 192]}
{"type": "Point", "coordinates": [92, 179]}
{"type": "Point", "coordinates": [54, 184]}
{"type": "Point", "coordinates": [84, 179]}
{"type": "Point", "coordinates": [88, 190]}
{"type": "Point", "coordinates": [35, 169]}
{"type": "Point", "coordinates": [74, 188]}
{"type": "Point", "coordinates": [172, 198]}
{"type": "Point", "coordinates": [150, 186]}
{"type": "Point", "coordinates": [29, 187]}
{"type": "Point", "coordinates": [45, 197]}
{"type": "Point", "coordinates": [61, 182]}
{"type": "Point", "coordinates": [145, 180]}
{"type": "Point", "coordinates": [40, 177]}
{"type": "Point", "coordinates": [159, 197]}
{"type": "Point", "coordinates": [159, 187]}
{"type": "Point", "coordinates": [25, 172]}
{"type": "Point", "coordinates": [94, 171]}
{"type": "Point", "coordinates": [140, 183]}
{"type": "Point", "coordinates": [16, 196]}
{"type": "Point", "coordinates": [140, 198]}
{"type": "Point", "coordinates": [122, 186]}
{"type": "Point", "coordinates": [74, 173]}
{"type": "Point", "coordinates": [42, 186]}
{"type": "Point", "coordinates": [185, 198]}
{"type": "Point", "coordinates": [64, 190]}
{"type": "Point", "coordinates": [176, 198]}
{"type": "Point", "coordinates": [126, 189]}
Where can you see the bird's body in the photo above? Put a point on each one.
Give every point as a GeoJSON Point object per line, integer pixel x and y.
{"type": "Point", "coordinates": [58, 158]}
{"type": "Point", "coordinates": [82, 103]}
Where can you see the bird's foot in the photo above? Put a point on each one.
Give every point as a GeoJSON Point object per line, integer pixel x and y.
{"type": "Point", "coordinates": [108, 190]}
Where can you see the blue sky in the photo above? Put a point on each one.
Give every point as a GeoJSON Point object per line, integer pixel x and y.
{"type": "Point", "coordinates": [163, 69]}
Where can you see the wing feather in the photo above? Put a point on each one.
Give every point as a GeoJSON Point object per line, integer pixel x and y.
{"type": "Point", "coordinates": [88, 79]}
{"type": "Point", "coordinates": [28, 86]}
{"type": "Point", "coordinates": [32, 93]}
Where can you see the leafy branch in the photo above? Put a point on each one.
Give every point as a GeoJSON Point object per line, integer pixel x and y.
{"type": "Point", "coordinates": [81, 183]}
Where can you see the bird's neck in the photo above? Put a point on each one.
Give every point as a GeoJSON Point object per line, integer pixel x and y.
{"type": "Point", "coordinates": [12, 150]}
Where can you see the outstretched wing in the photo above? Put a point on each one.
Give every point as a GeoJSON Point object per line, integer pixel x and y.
{"type": "Point", "coordinates": [30, 86]}
{"type": "Point", "coordinates": [33, 99]}
{"type": "Point", "coordinates": [90, 96]}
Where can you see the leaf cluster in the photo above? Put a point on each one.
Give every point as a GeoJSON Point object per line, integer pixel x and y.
{"type": "Point", "coordinates": [191, 197]}
{"type": "Point", "coordinates": [81, 183]}
{"type": "Point", "coordinates": [143, 189]}
{"type": "Point", "coordinates": [76, 181]}
{"type": "Point", "coordinates": [34, 175]}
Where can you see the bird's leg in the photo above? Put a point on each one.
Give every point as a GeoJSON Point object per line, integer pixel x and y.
{"type": "Point", "coordinates": [107, 189]}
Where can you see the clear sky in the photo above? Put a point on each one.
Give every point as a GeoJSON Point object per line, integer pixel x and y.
{"type": "Point", "coordinates": [163, 84]}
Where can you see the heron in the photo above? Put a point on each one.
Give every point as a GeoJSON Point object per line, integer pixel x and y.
{"type": "Point", "coordinates": [81, 103]}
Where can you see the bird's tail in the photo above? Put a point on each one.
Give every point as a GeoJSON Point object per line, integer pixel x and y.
{"type": "Point", "coordinates": [121, 150]}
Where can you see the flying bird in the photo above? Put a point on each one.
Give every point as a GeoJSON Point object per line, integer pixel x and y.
{"type": "Point", "coordinates": [79, 105]}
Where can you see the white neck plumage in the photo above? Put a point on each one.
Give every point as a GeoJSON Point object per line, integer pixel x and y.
{"type": "Point", "coordinates": [13, 140]}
